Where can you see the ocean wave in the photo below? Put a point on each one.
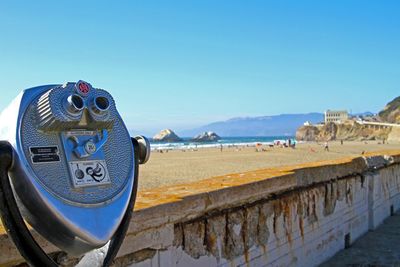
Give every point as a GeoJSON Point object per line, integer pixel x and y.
{"type": "Point", "coordinates": [225, 143]}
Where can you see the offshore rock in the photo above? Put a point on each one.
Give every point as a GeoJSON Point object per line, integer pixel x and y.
{"type": "Point", "coordinates": [206, 137]}
{"type": "Point", "coordinates": [167, 135]}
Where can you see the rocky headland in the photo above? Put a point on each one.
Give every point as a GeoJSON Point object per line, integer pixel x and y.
{"type": "Point", "coordinates": [391, 113]}
{"type": "Point", "coordinates": [353, 130]}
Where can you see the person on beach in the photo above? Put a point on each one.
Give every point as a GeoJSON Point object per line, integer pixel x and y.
{"type": "Point", "coordinates": [326, 146]}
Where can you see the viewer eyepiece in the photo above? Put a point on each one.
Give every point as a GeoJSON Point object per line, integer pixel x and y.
{"type": "Point", "coordinates": [100, 104]}
{"type": "Point", "coordinates": [75, 104]}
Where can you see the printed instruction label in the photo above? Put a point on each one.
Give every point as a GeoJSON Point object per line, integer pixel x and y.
{"type": "Point", "coordinates": [89, 173]}
{"type": "Point", "coordinates": [44, 154]}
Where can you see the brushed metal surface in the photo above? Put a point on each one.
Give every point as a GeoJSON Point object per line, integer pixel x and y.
{"type": "Point", "coordinates": [75, 219]}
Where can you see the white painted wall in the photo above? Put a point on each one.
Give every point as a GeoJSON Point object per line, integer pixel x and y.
{"type": "Point", "coordinates": [364, 206]}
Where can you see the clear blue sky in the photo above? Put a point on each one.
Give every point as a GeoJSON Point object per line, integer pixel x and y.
{"type": "Point", "coordinates": [181, 64]}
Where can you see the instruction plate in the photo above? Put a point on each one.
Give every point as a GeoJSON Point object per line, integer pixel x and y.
{"type": "Point", "coordinates": [44, 154]}
{"type": "Point", "coordinates": [89, 173]}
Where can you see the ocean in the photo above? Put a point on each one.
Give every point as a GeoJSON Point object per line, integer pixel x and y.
{"type": "Point", "coordinates": [225, 142]}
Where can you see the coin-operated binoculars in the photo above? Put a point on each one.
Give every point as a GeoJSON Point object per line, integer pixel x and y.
{"type": "Point", "coordinates": [69, 167]}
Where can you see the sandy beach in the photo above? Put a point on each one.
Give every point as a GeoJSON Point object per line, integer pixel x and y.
{"type": "Point", "coordinates": [177, 167]}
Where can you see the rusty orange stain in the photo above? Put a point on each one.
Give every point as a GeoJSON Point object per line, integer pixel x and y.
{"type": "Point", "coordinates": [277, 206]}
{"type": "Point", "coordinates": [211, 241]}
{"type": "Point", "coordinates": [288, 221]}
{"type": "Point", "coordinates": [301, 226]}
{"type": "Point", "coordinates": [247, 257]}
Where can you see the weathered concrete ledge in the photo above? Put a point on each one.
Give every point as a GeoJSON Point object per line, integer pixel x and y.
{"type": "Point", "coordinates": [183, 224]}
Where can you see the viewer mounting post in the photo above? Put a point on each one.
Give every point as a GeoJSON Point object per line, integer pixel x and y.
{"type": "Point", "coordinates": [69, 168]}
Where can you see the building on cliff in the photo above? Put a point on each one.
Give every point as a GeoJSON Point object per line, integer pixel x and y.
{"type": "Point", "coordinates": [336, 116]}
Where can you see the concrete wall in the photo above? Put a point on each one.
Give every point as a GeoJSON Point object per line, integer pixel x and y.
{"type": "Point", "coordinates": [292, 216]}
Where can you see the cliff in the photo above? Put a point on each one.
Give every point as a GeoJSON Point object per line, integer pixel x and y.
{"type": "Point", "coordinates": [345, 131]}
{"type": "Point", "coordinates": [351, 130]}
{"type": "Point", "coordinates": [391, 113]}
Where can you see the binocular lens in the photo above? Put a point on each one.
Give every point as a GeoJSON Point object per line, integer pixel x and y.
{"type": "Point", "coordinates": [75, 103]}
{"type": "Point", "coordinates": [102, 103]}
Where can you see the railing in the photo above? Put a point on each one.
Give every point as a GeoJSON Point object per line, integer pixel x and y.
{"type": "Point", "coordinates": [378, 123]}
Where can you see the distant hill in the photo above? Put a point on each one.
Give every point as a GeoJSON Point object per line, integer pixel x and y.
{"type": "Point", "coordinates": [278, 125]}
{"type": "Point", "coordinates": [363, 114]}
{"type": "Point", "coordinates": [391, 113]}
